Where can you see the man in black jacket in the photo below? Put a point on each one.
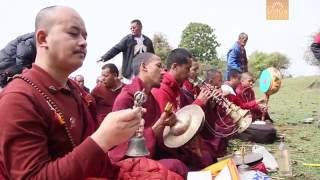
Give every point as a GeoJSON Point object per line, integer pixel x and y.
{"type": "Point", "coordinates": [131, 45]}
{"type": "Point", "coordinates": [17, 54]}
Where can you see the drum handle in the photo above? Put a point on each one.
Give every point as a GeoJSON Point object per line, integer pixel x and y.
{"type": "Point", "coordinates": [264, 112]}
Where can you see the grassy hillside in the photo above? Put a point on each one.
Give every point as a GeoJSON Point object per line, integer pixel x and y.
{"type": "Point", "coordinates": [293, 103]}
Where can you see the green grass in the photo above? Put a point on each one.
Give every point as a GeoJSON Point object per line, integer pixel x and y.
{"type": "Point", "coordinates": [288, 107]}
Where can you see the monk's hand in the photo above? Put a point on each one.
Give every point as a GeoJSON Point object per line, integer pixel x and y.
{"type": "Point", "coordinates": [263, 107]}
{"type": "Point", "coordinates": [204, 95]}
{"type": "Point", "coordinates": [261, 100]}
{"type": "Point", "coordinates": [166, 119]}
{"type": "Point", "coordinates": [117, 127]}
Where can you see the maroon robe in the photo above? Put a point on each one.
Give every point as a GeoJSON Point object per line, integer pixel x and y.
{"type": "Point", "coordinates": [217, 122]}
{"type": "Point", "coordinates": [170, 91]}
{"type": "Point", "coordinates": [104, 98]}
{"type": "Point", "coordinates": [247, 96]}
{"type": "Point", "coordinates": [237, 100]}
{"type": "Point", "coordinates": [213, 146]}
{"type": "Point", "coordinates": [33, 142]}
{"type": "Point", "coordinates": [126, 100]}
{"type": "Point", "coordinates": [191, 88]}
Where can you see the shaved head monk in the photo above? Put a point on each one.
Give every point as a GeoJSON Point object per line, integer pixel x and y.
{"type": "Point", "coordinates": [179, 62]}
{"type": "Point", "coordinates": [147, 69]}
{"type": "Point", "coordinates": [246, 93]}
{"type": "Point", "coordinates": [47, 130]}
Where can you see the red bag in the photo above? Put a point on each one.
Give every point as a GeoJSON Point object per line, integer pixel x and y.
{"type": "Point", "coordinates": [259, 167]}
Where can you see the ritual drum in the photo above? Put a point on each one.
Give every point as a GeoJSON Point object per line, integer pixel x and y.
{"type": "Point", "coordinates": [270, 81]}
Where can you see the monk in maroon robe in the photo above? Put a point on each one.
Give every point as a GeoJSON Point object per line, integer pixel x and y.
{"type": "Point", "coordinates": [190, 87]}
{"type": "Point", "coordinates": [246, 94]}
{"type": "Point", "coordinates": [47, 130]}
{"type": "Point", "coordinates": [179, 63]}
{"type": "Point", "coordinates": [147, 69]}
{"type": "Point", "coordinates": [218, 125]}
{"type": "Point", "coordinates": [229, 91]}
{"type": "Point", "coordinates": [105, 93]}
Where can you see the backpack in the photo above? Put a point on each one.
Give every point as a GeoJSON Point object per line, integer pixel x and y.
{"type": "Point", "coordinates": [260, 133]}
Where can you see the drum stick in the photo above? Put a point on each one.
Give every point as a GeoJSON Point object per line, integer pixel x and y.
{"type": "Point", "coordinates": [265, 111]}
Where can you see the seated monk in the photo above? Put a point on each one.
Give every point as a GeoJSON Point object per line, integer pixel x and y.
{"type": "Point", "coordinates": [230, 86]}
{"type": "Point", "coordinates": [218, 125]}
{"type": "Point", "coordinates": [106, 93]}
{"type": "Point", "coordinates": [190, 86]}
{"type": "Point", "coordinates": [229, 91]}
{"type": "Point", "coordinates": [47, 130]}
{"type": "Point", "coordinates": [79, 79]}
{"type": "Point", "coordinates": [147, 69]}
{"type": "Point", "coordinates": [99, 80]}
{"type": "Point", "coordinates": [178, 64]}
{"type": "Point", "coordinates": [246, 94]}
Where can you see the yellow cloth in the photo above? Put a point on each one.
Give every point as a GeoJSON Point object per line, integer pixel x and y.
{"type": "Point", "coordinates": [226, 165]}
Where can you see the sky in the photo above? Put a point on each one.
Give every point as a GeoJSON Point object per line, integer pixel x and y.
{"type": "Point", "coordinates": [107, 22]}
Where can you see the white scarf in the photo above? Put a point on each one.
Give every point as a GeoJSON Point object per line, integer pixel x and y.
{"type": "Point", "coordinates": [140, 47]}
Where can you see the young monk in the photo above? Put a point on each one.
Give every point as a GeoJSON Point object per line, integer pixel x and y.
{"type": "Point", "coordinates": [218, 125]}
{"type": "Point", "coordinates": [190, 87]}
{"type": "Point", "coordinates": [147, 69]}
{"type": "Point", "coordinates": [246, 94]}
{"type": "Point", "coordinates": [229, 91]}
{"type": "Point", "coordinates": [178, 64]}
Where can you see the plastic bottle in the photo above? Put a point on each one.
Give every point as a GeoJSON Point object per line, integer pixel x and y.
{"type": "Point", "coordinates": [284, 159]}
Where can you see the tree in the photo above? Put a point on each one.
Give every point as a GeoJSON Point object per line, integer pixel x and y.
{"type": "Point", "coordinates": [260, 61]}
{"type": "Point", "coordinates": [161, 46]}
{"type": "Point", "coordinates": [201, 41]}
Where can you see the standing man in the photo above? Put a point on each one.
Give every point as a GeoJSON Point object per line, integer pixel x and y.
{"type": "Point", "coordinates": [80, 81]}
{"type": "Point", "coordinates": [105, 93]}
{"type": "Point", "coordinates": [237, 57]}
{"type": "Point", "coordinates": [46, 128]}
{"type": "Point", "coordinates": [131, 45]}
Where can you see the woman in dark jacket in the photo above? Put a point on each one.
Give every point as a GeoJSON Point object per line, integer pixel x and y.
{"type": "Point", "coordinates": [16, 55]}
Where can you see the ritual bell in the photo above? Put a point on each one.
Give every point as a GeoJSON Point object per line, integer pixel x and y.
{"type": "Point", "coordinates": [137, 144]}
{"type": "Point", "coordinates": [137, 147]}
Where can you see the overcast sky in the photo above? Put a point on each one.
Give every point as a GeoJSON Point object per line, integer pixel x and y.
{"type": "Point", "coordinates": [108, 21]}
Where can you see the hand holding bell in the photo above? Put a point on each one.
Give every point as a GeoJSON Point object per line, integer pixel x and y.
{"type": "Point", "coordinates": [137, 146]}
